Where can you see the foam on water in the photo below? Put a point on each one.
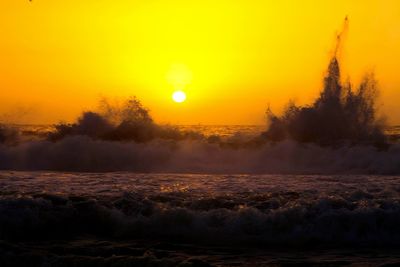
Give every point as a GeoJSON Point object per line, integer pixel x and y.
{"type": "Point", "coordinates": [80, 153]}
{"type": "Point", "coordinates": [266, 210]}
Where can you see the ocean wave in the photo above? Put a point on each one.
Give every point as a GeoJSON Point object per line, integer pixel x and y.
{"type": "Point", "coordinates": [284, 219]}
{"type": "Point", "coordinates": [80, 153]}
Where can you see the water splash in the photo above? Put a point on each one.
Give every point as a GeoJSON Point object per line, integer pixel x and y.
{"type": "Point", "coordinates": [129, 121]}
{"type": "Point", "coordinates": [340, 114]}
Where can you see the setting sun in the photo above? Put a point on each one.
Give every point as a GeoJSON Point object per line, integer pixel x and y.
{"type": "Point", "coordinates": [179, 96]}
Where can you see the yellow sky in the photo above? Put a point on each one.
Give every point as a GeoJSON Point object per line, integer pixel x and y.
{"type": "Point", "coordinates": [231, 57]}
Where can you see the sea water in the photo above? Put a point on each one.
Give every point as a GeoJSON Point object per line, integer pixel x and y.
{"type": "Point", "coordinates": [148, 219]}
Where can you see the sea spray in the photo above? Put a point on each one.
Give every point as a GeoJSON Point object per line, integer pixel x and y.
{"type": "Point", "coordinates": [339, 115]}
{"type": "Point", "coordinates": [129, 121]}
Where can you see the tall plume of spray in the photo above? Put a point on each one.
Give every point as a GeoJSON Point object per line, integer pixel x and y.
{"type": "Point", "coordinates": [333, 87]}
{"type": "Point", "coordinates": [340, 114]}
{"type": "Point", "coordinates": [340, 37]}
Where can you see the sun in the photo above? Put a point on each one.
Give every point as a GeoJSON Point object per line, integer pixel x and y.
{"type": "Point", "coordinates": [179, 96]}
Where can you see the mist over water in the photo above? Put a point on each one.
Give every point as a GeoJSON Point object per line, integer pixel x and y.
{"type": "Point", "coordinates": [84, 154]}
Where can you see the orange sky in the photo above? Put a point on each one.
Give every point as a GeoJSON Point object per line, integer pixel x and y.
{"type": "Point", "coordinates": [231, 57]}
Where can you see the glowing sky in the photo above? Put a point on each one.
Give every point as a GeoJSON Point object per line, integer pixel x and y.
{"type": "Point", "coordinates": [231, 57]}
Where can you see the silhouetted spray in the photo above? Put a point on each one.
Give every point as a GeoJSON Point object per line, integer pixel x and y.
{"type": "Point", "coordinates": [340, 114]}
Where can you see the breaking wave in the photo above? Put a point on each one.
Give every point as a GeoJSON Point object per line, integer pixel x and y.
{"type": "Point", "coordinates": [79, 153]}
{"type": "Point", "coordinates": [339, 114]}
{"type": "Point", "coordinates": [127, 121]}
{"type": "Point", "coordinates": [213, 210]}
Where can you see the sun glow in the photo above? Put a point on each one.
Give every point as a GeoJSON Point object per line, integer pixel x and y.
{"type": "Point", "coordinates": [179, 96]}
{"type": "Point", "coordinates": [179, 76]}
{"type": "Point", "coordinates": [250, 53]}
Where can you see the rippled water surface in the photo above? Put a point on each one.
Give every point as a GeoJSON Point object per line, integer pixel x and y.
{"type": "Point", "coordinates": [221, 130]}
{"type": "Point", "coordinates": [217, 220]}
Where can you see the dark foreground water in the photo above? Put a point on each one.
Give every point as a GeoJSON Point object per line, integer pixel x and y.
{"type": "Point", "coordinates": [126, 219]}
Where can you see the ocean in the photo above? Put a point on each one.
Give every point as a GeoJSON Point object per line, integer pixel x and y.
{"type": "Point", "coordinates": [196, 203]}
{"type": "Point", "coordinates": [132, 219]}
{"type": "Point", "coordinates": [34, 131]}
